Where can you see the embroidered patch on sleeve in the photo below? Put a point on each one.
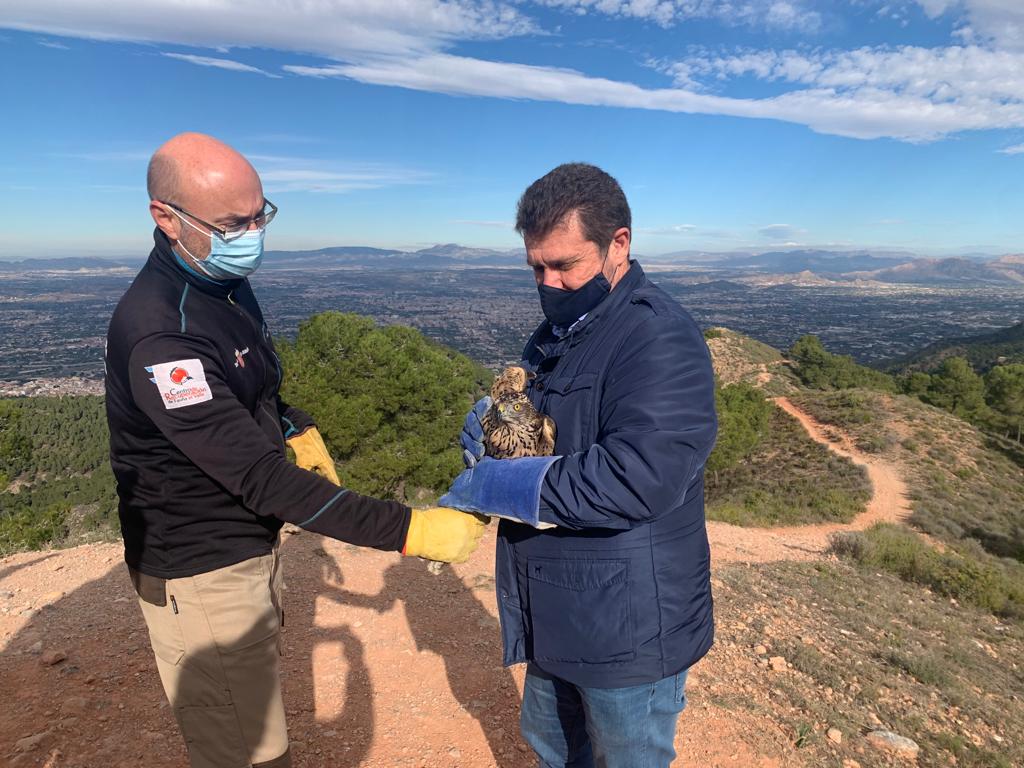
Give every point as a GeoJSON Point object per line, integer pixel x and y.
{"type": "Point", "coordinates": [181, 383]}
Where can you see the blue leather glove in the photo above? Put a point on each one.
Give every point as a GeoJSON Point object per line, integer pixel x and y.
{"type": "Point", "coordinates": [472, 437]}
{"type": "Point", "coordinates": [508, 488]}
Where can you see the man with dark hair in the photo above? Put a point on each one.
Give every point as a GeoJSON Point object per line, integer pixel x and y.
{"type": "Point", "coordinates": [603, 565]}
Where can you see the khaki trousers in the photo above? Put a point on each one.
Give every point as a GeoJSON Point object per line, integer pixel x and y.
{"type": "Point", "coordinates": [217, 644]}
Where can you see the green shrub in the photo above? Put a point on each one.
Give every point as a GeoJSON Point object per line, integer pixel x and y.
{"type": "Point", "coordinates": [388, 401]}
{"type": "Point", "coordinates": [743, 415]}
{"type": "Point", "coordinates": [57, 449]}
{"type": "Point", "coordinates": [971, 575]}
{"type": "Point", "coordinates": [27, 528]}
{"type": "Point", "coordinates": [820, 369]}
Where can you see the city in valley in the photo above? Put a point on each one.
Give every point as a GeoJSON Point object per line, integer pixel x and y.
{"type": "Point", "coordinates": [54, 313]}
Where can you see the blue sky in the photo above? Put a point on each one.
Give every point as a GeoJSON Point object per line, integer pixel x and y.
{"type": "Point", "coordinates": [730, 123]}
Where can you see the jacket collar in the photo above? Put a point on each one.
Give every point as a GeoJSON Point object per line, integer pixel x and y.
{"type": "Point", "coordinates": [165, 260]}
{"type": "Point", "coordinates": [621, 294]}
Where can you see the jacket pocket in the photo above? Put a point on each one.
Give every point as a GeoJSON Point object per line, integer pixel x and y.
{"type": "Point", "coordinates": [580, 610]}
{"type": "Point", "coordinates": [563, 385]}
{"type": "Point", "coordinates": [570, 402]}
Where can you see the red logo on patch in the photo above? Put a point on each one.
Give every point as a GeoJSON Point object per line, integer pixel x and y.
{"type": "Point", "coordinates": [179, 375]}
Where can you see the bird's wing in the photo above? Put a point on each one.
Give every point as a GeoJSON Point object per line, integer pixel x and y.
{"type": "Point", "coordinates": [546, 442]}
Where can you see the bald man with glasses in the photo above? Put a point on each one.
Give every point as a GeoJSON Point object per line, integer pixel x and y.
{"type": "Point", "coordinates": [197, 443]}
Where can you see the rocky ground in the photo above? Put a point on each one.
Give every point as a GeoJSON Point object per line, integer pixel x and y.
{"type": "Point", "coordinates": [387, 665]}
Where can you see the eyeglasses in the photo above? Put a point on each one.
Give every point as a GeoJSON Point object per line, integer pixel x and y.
{"type": "Point", "coordinates": [261, 220]}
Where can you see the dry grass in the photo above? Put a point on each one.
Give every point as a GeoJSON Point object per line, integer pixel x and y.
{"type": "Point", "coordinates": [867, 650]}
{"type": "Point", "coordinates": [789, 479]}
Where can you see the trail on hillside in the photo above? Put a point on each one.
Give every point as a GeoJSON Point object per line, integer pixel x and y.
{"type": "Point", "coordinates": [889, 503]}
{"type": "Point", "coordinates": [384, 665]}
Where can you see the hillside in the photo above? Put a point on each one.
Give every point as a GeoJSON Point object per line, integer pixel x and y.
{"type": "Point", "coordinates": [968, 489]}
{"type": "Point", "coordinates": [56, 486]}
{"type": "Point", "coordinates": [982, 351]}
{"type": "Point", "coordinates": [874, 582]}
{"type": "Point", "coordinates": [737, 358]}
{"type": "Point", "coordinates": [812, 654]}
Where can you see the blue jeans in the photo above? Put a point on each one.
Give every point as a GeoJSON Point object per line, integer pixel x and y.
{"type": "Point", "coordinates": [570, 726]}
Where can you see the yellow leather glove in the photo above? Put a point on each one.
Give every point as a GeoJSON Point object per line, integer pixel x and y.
{"type": "Point", "coordinates": [311, 454]}
{"type": "Point", "coordinates": [443, 534]}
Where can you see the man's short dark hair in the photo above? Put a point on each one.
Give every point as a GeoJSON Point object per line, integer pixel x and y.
{"type": "Point", "coordinates": [595, 196]}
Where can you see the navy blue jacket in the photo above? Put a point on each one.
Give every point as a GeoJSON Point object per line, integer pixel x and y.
{"type": "Point", "coordinates": [619, 594]}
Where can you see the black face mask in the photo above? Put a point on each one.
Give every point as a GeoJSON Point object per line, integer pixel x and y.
{"type": "Point", "coordinates": [563, 308]}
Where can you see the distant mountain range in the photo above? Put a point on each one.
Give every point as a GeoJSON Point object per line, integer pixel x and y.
{"type": "Point", "coordinates": [827, 263]}
{"type": "Point", "coordinates": [70, 264]}
{"type": "Point", "coordinates": [435, 257]}
{"type": "Point", "coordinates": [1004, 270]}
{"type": "Point", "coordinates": [804, 267]}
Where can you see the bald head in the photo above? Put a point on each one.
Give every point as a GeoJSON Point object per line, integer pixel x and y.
{"type": "Point", "coordinates": [211, 181]}
{"type": "Point", "coordinates": [194, 164]}
{"type": "Point", "coordinates": [162, 178]}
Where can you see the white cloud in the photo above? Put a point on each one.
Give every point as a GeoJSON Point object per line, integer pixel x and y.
{"type": "Point", "coordinates": [675, 229]}
{"type": "Point", "coordinates": [296, 174]}
{"type": "Point", "coordinates": [332, 28]}
{"type": "Point", "coordinates": [108, 156]}
{"type": "Point", "coordinates": [206, 61]}
{"type": "Point", "coordinates": [781, 232]}
{"type": "Point", "coordinates": [688, 231]}
{"type": "Point", "coordinates": [53, 44]}
{"type": "Point", "coordinates": [999, 21]}
{"type": "Point", "coordinates": [777, 14]}
{"type": "Point", "coordinates": [911, 93]}
{"type": "Point", "coordinates": [508, 225]}
{"type": "Point", "coordinates": [865, 108]}
{"type": "Point", "coordinates": [1016, 149]}
{"type": "Point", "coordinates": [938, 74]}
{"type": "Point", "coordinates": [908, 93]}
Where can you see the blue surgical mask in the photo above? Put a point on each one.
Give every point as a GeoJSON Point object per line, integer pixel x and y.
{"type": "Point", "coordinates": [563, 308]}
{"type": "Point", "coordinates": [231, 260]}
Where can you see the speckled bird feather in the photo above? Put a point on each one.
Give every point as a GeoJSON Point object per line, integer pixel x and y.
{"type": "Point", "coordinates": [512, 427]}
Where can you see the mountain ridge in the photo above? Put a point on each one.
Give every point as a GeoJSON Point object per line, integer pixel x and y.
{"type": "Point", "coordinates": [801, 267]}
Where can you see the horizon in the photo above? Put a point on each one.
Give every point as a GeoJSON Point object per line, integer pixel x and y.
{"type": "Point", "coordinates": [881, 252]}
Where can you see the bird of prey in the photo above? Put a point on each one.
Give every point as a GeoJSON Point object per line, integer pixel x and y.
{"type": "Point", "coordinates": [512, 427]}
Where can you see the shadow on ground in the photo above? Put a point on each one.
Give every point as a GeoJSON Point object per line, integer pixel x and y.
{"type": "Point", "coordinates": [103, 705]}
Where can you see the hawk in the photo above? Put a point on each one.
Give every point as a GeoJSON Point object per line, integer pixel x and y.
{"type": "Point", "coordinates": [512, 427]}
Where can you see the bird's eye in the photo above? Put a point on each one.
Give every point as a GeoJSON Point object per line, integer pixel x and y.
{"type": "Point", "coordinates": [518, 406]}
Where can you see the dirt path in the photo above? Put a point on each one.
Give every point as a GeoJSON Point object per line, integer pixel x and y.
{"type": "Point", "coordinates": [384, 666]}
{"type": "Point", "coordinates": [889, 503]}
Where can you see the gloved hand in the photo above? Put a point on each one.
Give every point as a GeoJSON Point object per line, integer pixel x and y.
{"type": "Point", "coordinates": [311, 454]}
{"type": "Point", "coordinates": [472, 437]}
{"type": "Point", "coordinates": [507, 488]}
{"type": "Point", "coordinates": [443, 534]}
